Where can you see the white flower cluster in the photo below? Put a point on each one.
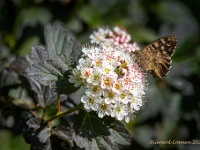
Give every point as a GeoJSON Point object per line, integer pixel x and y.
{"type": "Point", "coordinates": [117, 36]}
{"type": "Point", "coordinates": [115, 84]}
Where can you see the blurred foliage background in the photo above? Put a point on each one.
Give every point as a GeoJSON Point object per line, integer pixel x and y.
{"type": "Point", "coordinates": [172, 110]}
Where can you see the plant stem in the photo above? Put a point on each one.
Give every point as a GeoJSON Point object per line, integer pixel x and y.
{"type": "Point", "coordinates": [43, 113]}
{"type": "Point", "coordinates": [61, 114]}
{"type": "Point", "coordinates": [58, 103]}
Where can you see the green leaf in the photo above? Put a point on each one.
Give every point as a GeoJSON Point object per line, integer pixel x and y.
{"type": "Point", "coordinates": [25, 47]}
{"type": "Point", "coordinates": [143, 134]}
{"type": "Point", "coordinates": [166, 9]}
{"type": "Point", "coordinates": [52, 65]}
{"type": "Point", "coordinates": [103, 6]}
{"type": "Point", "coordinates": [50, 74]}
{"type": "Point", "coordinates": [38, 54]}
{"type": "Point", "coordinates": [37, 134]}
{"type": "Point", "coordinates": [21, 98]}
{"type": "Point", "coordinates": [8, 78]}
{"type": "Point", "coordinates": [62, 137]}
{"type": "Point", "coordinates": [41, 137]}
{"type": "Point", "coordinates": [43, 95]}
{"type": "Point", "coordinates": [12, 142]}
{"type": "Point", "coordinates": [93, 133]}
{"type": "Point", "coordinates": [45, 73]}
{"type": "Point", "coordinates": [34, 15]}
{"type": "Point", "coordinates": [90, 15]}
{"type": "Point", "coordinates": [19, 65]}
{"type": "Point", "coordinates": [61, 42]}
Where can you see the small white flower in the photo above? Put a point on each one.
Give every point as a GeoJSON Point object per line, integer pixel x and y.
{"type": "Point", "coordinates": [97, 62]}
{"type": "Point", "coordinates": [106, 82]}
{"type": "Point", "coordinates": [99, 35]}
{"type": "Point", "coordinates": [117, 87]}
{"type": "Point", "coordinates": [84, 63]}
{"type": "Point", "coordinates": [135, 104]}
{"type": "Point", "coordinates": [107, 69]}
{"type": "Point", "coordinates": [86, 73]}
{"type": "Point", "coordinates": [124, 97]}
{"type": "Point", "coordinates": [97, 38]}
{"type": "Point", "coordinates": [94, 90]}
{"type": "Point", "coordinates": [130, 115]}
{"type": "Point", "coordinates": [127, 118]}
{"type": "Point", "coordinates": [95, 77]}
{"type": "Point", "coordinates": [109, 96]}
{"type": "Point", "coordinates": [76, 77]}
{"type": "Point", "coordinates": [90, 102]}
{"type": "Point", "coordinates": [104, 109]}
{"type": "Point", "coordinates": [119, 111]}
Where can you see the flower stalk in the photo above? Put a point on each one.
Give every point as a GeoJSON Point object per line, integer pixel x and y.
{"type": "Point", "coordinates": [62, 114]}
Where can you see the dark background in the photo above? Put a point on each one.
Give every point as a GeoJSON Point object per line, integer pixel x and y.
{"type": "Point", "coordinates": [172, 110]}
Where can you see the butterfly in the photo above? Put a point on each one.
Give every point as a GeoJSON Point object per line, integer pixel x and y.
{"type": "Point", "coordinates": [155, 58]}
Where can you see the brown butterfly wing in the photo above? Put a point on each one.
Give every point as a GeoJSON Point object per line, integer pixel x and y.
{"type": "Point", "coordinates": [155, 58]}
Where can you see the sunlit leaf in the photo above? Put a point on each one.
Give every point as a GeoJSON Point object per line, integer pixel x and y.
{"type": "Point", "coordinates": [38, 54]}
{"type": "Point", "coordinates": [93, 133]}
{"type": "Point", "coordinates": [51, 66]}
{"type": "Point", "coordinates": [61, 42]}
